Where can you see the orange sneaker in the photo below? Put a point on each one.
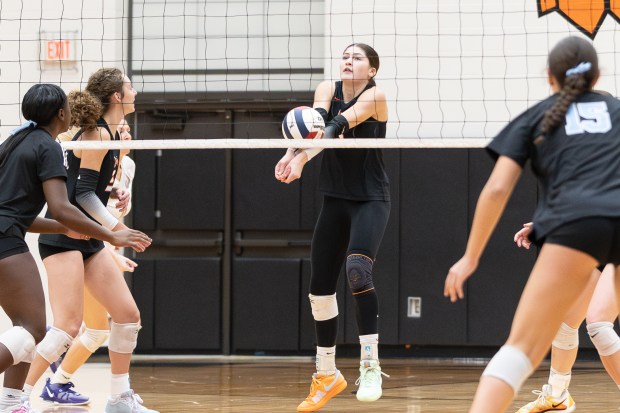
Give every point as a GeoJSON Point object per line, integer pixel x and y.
{"type": "Point", "coordinates": [322, 389]}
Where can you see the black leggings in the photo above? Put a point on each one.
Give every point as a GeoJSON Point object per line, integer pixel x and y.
{"type": "Point", "coordinates": [344, 227]}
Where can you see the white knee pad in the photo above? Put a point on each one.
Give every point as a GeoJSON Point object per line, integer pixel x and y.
{"type": "Point", "coordinates": [510, 365]}
{"type": "Point", "coordinates": [93, 339]}
{"type": "Point", "coordinates": [54, 344]}
{"type": "Point", "coordinates": [124, 337]}
{"type": "Point", "coordinates": [567, 338]}
{"type": "Point", "coordinates": [324, 307]}
{"type": "Point", "coordinates": [20, 344]}
{"type": "Point", "coordinates": [604, 337]}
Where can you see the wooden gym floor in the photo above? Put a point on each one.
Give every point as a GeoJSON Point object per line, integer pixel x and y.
{"type": "Point", "coordinates": [266, 384]}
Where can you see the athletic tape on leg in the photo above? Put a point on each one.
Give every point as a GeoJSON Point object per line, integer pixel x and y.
{"type": "Point", "coordinates": [124, 337]}
{"type": "Point", "coordinates": [54, 344]}
{"type": "Point", "coordinates": [93, 339]}
{"type": "Point", "coordinates": [20, 344]}
{"type": "Point", "coordinates": [604, 337]}
{"type": "Point", "coordinates": [324, 307]}
{"type": "Point", "coordinates": [567, 338]}
{"type": "Point", "coordinates": [510, 365]}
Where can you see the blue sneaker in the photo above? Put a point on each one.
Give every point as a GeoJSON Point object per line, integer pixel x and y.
{"type": "Point", "coordinates": [64, 394]}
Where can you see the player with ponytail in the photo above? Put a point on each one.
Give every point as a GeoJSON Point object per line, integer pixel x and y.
{"type": "Point", "coordinates": [571, 139]}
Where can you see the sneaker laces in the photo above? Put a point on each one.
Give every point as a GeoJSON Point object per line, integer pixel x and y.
{"type": "Point", "coordinates": [313, 386]}
{"type": "Point", "coordinates": [367, 377]}
{"type": "Point", "coordinates": [137, 399]}
{"type": "Point", "coordinates": [540, 401]}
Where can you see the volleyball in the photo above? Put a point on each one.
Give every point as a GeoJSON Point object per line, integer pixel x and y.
{"type": "Point", "coordinates": [303, 122]}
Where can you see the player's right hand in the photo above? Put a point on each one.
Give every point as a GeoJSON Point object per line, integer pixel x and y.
{"type": "Point", "coordinates": [522, 236]}
{"type": "Point", "coordinates": [137, 240]}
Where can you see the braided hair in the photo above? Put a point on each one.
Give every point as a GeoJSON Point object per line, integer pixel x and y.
{"type": "Point", "coordinates": [573, 63]}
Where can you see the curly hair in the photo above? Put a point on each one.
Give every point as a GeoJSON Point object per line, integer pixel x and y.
{"type": "Point", "coordinates": [86, 109]}
{"type": "Point", "coordinates": [567, 54]}
{"type": "Point", "coordinates": [89, 105]}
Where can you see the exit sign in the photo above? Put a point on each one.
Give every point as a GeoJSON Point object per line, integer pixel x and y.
{"type": "Point", "coordinates": [58, 47]}
{"type": "Point", "coordinates": [59, 50]}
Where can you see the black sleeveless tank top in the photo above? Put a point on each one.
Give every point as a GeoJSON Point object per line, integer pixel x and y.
{"type": "Point", "coordinates": [109, 168]}
{"type": "Point", "coordinates": [355, 174]}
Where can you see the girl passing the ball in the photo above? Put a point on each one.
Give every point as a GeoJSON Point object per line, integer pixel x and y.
{"type": "Point", "coordinates": [355, 212]}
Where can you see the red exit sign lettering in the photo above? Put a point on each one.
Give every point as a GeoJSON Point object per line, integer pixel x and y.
{"type": "Point", "coordinates": [58, 50]}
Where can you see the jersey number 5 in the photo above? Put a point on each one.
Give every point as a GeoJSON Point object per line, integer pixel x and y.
{"type": "Point", "coordinates": [591, 117]}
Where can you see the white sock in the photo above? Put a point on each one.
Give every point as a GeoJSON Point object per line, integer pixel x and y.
{"type": "Point", "coordinates": [10, 397]}
{"type": "Point", "coordinates": [369, 347]}
{"type": "Point", "coordinates": [61, 376]}
{"type": "Point", "coordinates": [558, 381]}
{"type": "Point", "coordinates": [326, 360]}
{"type": "Point", "coordinates": [27, 390]}
{"type": "Point", "coordinates": [119, 384]}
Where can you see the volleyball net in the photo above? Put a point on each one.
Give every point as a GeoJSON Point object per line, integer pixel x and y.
{"type": "Point", "coordinates": [454, 72]}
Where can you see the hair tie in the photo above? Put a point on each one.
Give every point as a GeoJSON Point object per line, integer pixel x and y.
{"type": "Point", "coordinates": [28, 124]}
{"type": "Point", "coordinates": [580, 68]}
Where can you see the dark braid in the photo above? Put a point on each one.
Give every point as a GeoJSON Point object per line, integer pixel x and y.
{"type": "Point", "coordinates": [566, 55]}
{"type": "Point", "coordinates": [574, 86]}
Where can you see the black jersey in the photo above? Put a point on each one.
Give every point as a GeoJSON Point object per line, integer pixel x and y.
{"type": "Point", "coordinates": [35, 160]}
{"type": "Point", "coordinates": [355, 174]}
{"type": "Point", "coordinates": [107, 173]}
{"type": "Point", "coordinates": [578, 164]}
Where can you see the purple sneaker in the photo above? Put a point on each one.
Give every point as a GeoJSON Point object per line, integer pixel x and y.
{"type": "Point", "coordinates": [64, 394]}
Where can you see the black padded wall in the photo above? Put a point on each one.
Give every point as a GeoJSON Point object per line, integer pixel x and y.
{"type": "Point", "coordinates": [433, 232]}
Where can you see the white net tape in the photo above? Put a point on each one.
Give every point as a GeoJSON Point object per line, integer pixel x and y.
{"type": "Point", "coordinates": [277, 143]}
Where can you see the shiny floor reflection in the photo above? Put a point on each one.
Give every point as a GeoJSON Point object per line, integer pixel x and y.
{"type": "Point", "coordinates": [278, 385]}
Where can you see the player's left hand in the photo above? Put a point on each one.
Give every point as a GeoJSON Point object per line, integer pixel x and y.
{"type": "Point", "coordinates": [458, 274]}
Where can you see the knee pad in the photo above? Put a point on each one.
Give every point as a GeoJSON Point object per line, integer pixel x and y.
{"type": "Point", "coordinates": [54, 344]}
{"type": "Point", "coordinates": [567, 338]}
{"type": "Point", "coordinates": [604, 337]}
{"type": "Point", "coordinates": [124, 337]}
{"type": "Point", "coordinates": [93, 339]}
{"type": "Point", "coordinates": [510, 365]}
{"type": "Point", "coordinates": [359, 273]}
{"type": "Point", "coordinates": [20, 344]}
{"type": "Point", "coordinates": [324, 307]}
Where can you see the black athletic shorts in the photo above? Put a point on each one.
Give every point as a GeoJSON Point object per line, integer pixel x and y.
{"type": "Point", "coordinates": [11, 245]}
{"type": "Point", "coordinates": [598, 237]}
{"type": "Point", "coordinates": [46, 250]}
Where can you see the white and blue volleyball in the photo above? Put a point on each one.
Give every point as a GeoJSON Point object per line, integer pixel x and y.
{"type": "Point", "coordinates": [303, 122]}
